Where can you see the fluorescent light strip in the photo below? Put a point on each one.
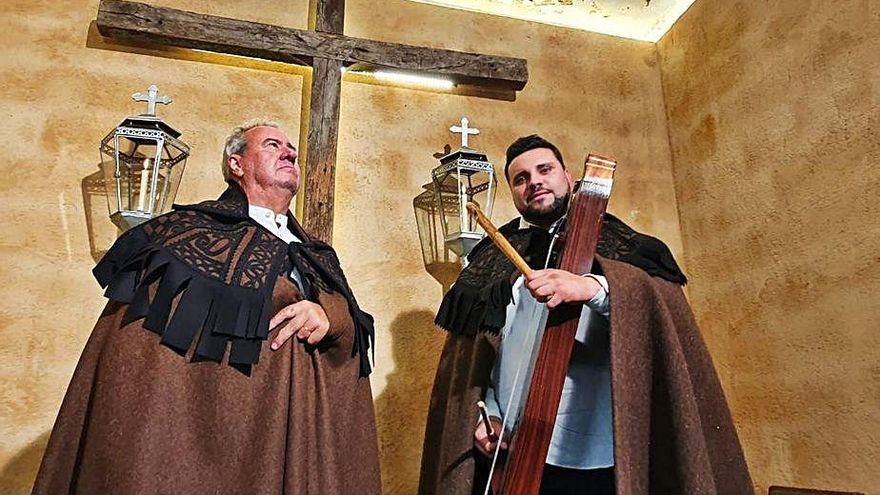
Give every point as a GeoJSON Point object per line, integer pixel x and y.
{"type": "Point", "coordinates": [412, 79]}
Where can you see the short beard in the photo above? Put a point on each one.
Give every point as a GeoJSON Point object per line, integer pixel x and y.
{"type": "Point", "coordinates": [546, 217]}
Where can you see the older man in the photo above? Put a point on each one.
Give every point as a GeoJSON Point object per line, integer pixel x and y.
{"type": "Point", "coordinates": [176, 392]}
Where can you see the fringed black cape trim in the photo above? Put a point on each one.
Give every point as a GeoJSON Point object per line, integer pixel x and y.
{"type": "Point", "coordinates": [478, 300]}
{"type": "Point", "coordinates": [221, 268]}
{"type": "Point", "coordinates": [217, 312]}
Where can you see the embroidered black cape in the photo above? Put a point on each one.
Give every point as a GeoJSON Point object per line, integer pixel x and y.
{"type": "Point", "coordinates": [479, 298]}
{"type": "Point", "coordinates": [221, 267]}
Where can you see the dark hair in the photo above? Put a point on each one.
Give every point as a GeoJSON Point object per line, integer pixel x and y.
{"type": "Point", "coordinates": [529, 143]}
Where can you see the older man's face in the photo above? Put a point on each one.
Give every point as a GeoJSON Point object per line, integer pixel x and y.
{"type": "Point", "coordinates": [269, 161]}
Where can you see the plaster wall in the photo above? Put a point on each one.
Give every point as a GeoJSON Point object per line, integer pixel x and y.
{"type": "Point", "coordinates": [774, 126]}
{"type": "Point", "coordinates": [60, 97]}
{"type": "Point", "coordinates": [63, 89]}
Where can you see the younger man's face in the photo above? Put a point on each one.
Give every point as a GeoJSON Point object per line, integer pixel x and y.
{"type": "Point", "coordinates": [540, 186]}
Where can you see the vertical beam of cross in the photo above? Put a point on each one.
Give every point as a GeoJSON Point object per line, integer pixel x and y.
{"type": "Point", "coordinates": [323, 128]}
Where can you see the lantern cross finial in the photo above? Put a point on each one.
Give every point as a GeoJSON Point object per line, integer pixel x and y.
{"type": "Point", "coordinates": [464, 130]}
{"type": "Point", "coordinates": [152, 97]}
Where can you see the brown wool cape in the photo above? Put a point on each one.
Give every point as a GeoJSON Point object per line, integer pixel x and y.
{"type": "Point", "coordinates": [150, 410]}
{"type": "Point", "coordinates": [673, 433]}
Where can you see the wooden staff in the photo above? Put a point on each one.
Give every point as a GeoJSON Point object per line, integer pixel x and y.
{"type": "Point", "coordinates": [499, 239]}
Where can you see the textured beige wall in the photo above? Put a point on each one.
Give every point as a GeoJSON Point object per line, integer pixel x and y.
{"type": "Point", "coordinates": [62, 93]}
{"type": "Point", "coordinates": [774, 118]}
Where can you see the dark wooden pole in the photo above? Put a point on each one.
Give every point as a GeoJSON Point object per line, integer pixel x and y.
{"type": "Point", "coordinates": [323, 133]}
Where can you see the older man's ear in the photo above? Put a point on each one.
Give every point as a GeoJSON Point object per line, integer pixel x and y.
{"type": "Point", "coordinates": [235, 165]}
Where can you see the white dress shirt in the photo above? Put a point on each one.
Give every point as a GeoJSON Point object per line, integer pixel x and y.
{"type": "Point", "coordinates": [582, 436]}
{"type": "Point", "coordinates": [276, 224]}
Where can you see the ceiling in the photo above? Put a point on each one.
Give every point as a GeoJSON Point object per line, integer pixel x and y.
{"type": "Point", "coordinates": [646, 20]}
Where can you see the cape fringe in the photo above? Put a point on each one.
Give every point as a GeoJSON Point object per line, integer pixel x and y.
{"type": "Point", "coordinates": [468, 310]}
{"type": "Point", "coordinates": [219, 313]}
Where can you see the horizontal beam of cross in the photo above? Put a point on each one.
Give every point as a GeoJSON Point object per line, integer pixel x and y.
{"type": "Point", "coordinates": [172, 27]}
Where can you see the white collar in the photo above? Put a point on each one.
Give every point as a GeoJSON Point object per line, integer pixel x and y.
{"type": "Point", "coordinates": [255, 212]}
{"type": "Point", "coordinates": [523, 224]}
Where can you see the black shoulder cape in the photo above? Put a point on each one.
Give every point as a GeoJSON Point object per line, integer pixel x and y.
{"type": "Point", "coordinates": [221, 267]}
{"type": "Point", "coordinates": [478, 300]}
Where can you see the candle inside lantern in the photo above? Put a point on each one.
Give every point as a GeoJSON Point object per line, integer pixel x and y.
{"type": "Point", "coordinates": [462, 210]}
{"type": "Point", "coordinates": [145, 180]}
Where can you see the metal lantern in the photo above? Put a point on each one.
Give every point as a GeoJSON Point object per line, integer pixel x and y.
{"type": "Point", "coordinates": [143, 163]}
{"type": "Point", "coordinates": [462, 176]}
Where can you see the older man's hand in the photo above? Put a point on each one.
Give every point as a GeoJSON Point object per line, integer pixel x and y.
{"type": "Point", "coordinates": [304, 319]}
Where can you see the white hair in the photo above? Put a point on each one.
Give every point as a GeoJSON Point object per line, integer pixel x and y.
{"type": "Point", "coordinates": [236, 143]}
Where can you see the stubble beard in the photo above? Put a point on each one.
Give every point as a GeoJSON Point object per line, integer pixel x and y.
{"type": "Point", "coordinates": [544, 217]}
{"type": "Point", "coordinates": [288, 185]}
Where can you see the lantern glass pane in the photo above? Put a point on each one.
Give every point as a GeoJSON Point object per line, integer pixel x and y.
{"type": "Point", "coordinates": [171, 178]}
{"type": "Point", "coordinates": [138, 170]}
{"type": "Point", "coordinates": [480, 189]}
{"type": "Point", "coordinates": [108, 169]}
{"type": "Point", "coordinates": [450, 204]}
{"type": "Point", "coordinates": [458, 183]}
{"type": "Point", "coordinates": [172, 154]}
{"type": "Point", "coordinates": [428, 221]}
{"type": "Point", "coordinates": [439, 261]}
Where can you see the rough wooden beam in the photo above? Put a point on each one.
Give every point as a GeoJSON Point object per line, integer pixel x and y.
{"type": "Point", "coordinates": [330, 16]}
{"type": "Point", "coordinates": [321, 152]}
{"type": "Point", "coordinates": [158, 25]}
{"type": "Point", "coordinates": [320, 170]}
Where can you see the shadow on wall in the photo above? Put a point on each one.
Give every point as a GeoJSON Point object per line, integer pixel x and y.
{"type": "Point", "coordinates": [101, 231]}
{"type": "Point", "coordinates": [17, 477]}
{"type": "Point", "coordinates": [402, 408]}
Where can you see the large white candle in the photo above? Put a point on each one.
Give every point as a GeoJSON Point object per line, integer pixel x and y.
{"type": "Point", "coordinates": [145, 180]}
{"type": "Point", "coordinates": [462, 203]}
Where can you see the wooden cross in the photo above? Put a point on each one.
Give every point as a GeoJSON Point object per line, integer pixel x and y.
{"type": "Point", "coordinates": [326, 50]}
